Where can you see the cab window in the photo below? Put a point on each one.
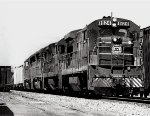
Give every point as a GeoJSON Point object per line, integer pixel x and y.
{"type": "Point", "coordinates": [113, 31]}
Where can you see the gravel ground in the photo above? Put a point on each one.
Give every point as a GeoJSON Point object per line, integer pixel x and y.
{"type": "Point", "coordinates": [95, 107]}
{"type": "Point", "coordinates": [17, 105]}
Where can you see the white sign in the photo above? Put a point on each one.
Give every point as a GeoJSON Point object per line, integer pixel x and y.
{"type": "Point", "coordinates": [116, 49]}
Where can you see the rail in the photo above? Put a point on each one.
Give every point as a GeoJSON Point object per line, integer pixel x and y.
{"type": "Point", "coordinates": [132, 99]}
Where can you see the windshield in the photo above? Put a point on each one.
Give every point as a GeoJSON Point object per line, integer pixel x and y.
{"type": "Point", "coordinates": [110, 32]}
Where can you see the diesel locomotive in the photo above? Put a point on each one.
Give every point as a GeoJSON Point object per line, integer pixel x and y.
{"type": "Point", "coordinates": [103, 58]}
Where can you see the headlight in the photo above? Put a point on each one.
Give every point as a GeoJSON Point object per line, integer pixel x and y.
{"type": "Point", "coordinates": [117, 40]}
{"type": "Point", "coordinates": [114, 25]}
{"type": "Point", "coordinates": [114, 19]}
{"type": "Point", "coordinates": [114, 22]}
{"type": "Point", "coordinates": [114, 39]}
{"type": "Point", "coordinates": [129, 42]}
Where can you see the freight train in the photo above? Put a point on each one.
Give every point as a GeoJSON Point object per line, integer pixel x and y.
{"type": "Point", "coordinates": [103, 58]}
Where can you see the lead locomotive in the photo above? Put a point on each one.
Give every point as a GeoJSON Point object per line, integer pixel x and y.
{"type": "Point", "coordinates": [102, 58]}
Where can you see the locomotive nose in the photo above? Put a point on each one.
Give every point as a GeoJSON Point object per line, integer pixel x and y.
{"type": "Point", "coordinates": [117, 40]}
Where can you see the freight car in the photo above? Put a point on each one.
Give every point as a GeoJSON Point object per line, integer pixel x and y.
{"type": "Point", "coordinates": [145, 34]}
{"type": "Point", "coordinates": [6, 79]}
{"type": "Point", "coordinates": [103, 58]}
{"type": "Point", "coordinates": [18, 78]}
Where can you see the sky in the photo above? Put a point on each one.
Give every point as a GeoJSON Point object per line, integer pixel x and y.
{"type": "Point", "coordinates": [28, 25]}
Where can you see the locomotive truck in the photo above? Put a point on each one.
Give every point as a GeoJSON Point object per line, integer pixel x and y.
{"type": "Point", "coordinates": [103, 58]}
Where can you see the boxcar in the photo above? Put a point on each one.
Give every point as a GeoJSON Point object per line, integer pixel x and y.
{"type": "Point", "coordinates": [18, 77]}
{"type": "Point", "coordinates": [146, 58]}
{"type": "Point", "coordinates": [6, 80]}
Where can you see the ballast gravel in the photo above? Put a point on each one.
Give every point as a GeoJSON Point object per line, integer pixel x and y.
{"type": "Point", "coordinates": [100, 107]}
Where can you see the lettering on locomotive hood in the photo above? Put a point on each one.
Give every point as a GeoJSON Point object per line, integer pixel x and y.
{"type": "Point", "coordinates": [110, 22]}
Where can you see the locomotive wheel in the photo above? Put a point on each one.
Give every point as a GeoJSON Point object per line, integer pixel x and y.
{"type": "Point", "coordinates": [91, 94]}
{"type": "Point", "coordinates": [145, 94]}
{"type": "Point", "coordinates": [39, 83]}
{"type": "Point", "coordinates": [132, 95]}
{"type": "Point", "coordinates": [66, 91]}
{"type": "Point", "coordinates": [141, 94]}
{"type": "Point", "coordinates": [29, 86]}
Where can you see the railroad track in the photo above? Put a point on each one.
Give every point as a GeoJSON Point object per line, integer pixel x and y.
{"type": "Point", "coordinates": [134, 99]}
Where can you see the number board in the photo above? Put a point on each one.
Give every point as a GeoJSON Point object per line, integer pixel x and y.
{"type": "Point", "coordinates": [110, 22]}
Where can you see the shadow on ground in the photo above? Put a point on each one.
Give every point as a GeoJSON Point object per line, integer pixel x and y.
{"type": "Point", "coordinates": [5, 111]}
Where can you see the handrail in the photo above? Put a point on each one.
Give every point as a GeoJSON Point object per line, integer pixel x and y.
{"type": "Point", "coordinates": [70, 53]}
{"type": "Point", "coordinates": [116, 54]}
